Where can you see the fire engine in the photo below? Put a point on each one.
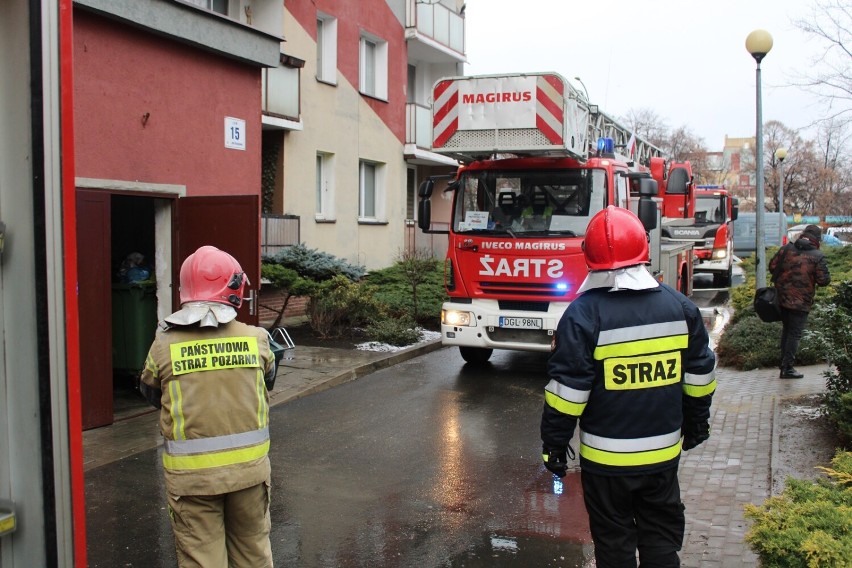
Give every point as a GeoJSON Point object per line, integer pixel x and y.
{"type": "Point", "coordinates": [537, 162]}
{"type": "Point", "coordinates": [711, 231]}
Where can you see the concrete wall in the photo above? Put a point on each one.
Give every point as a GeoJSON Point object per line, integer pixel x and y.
{"type": "Point", "coordinates": [153, 110]}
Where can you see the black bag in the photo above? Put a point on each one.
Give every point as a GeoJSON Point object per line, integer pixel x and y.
{"type": "Point", "coordinates": [766, 304]}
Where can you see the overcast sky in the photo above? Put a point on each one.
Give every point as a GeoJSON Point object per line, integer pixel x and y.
{"type": "Point", "coordinates": [684, 59]}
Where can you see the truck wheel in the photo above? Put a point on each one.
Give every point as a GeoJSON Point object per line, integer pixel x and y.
{"type": "Point", "coordinates": [475, 355]}
{"type": "Point", "coordinates": [723, 279]}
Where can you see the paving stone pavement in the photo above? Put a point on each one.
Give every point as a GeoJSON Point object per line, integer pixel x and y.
{"type": "Point", "coordinates": [735, 465]}
{"type": "Point", "coordinates": [718, 478]}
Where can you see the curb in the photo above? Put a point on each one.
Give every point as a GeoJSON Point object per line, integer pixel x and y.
{"type": "Point", "coordinates": [776, 442]}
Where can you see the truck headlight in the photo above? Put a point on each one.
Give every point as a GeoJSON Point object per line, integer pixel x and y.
{"type": "Point", "coordinates": [456, 318]}
{"type": "Point", "coordinates": [720, 254]}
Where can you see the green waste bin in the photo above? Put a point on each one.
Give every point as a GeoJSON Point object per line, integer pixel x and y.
{"type": "Point", "coordinates": [134, 323]}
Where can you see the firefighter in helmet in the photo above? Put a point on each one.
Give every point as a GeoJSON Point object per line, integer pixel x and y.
{"type": "Point", "coordinates": [632, 364]}
{"type": "Point", "coordinates": [205, 371]}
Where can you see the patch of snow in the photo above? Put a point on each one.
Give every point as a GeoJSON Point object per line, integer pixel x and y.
{"type": "Point", "coordinates": [808, 412]}
{"type": "Point", "coordinates": [385, 347]}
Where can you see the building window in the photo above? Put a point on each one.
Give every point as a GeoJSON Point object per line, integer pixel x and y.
{"type": "Point", "coordinates": [370, 191]}
{"type": "Point", "coordinates": [374, 67]}
{"type": "Point", "coordinates": [326, 49]}
{"type": "Point", "coordinates": [410, 192]}
{"type": "Point", "coordinates": [324, 187]}
{"type": "Point", "coordinates": [218, 6]}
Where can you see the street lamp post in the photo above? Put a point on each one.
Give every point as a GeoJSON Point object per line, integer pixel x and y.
{"type": "Point", "coordinates": [758, 44]}
{"type": "Point", "coordinates": [582, 84]}
{"type": "Point", "coordinates": [780, 155]}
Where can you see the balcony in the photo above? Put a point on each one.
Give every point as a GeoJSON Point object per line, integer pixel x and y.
{"type": "Point", "coordinates": [435, 34]}
{"type": "Point", "coordinates": [280, 94]}
{"type": "Point", "coordinates": [418, 138]}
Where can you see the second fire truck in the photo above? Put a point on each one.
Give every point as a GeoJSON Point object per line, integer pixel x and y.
{"type": "Point", "coordinates": [537, 162]}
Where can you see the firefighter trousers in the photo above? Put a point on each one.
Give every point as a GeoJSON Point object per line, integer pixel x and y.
{"type": "Point", "coordinates": [223, 531]}
{"type": "Point", "coordinates": [635, 512]}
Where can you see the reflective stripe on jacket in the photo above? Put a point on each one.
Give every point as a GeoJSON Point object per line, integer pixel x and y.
{"type": "Point", "coordinates": [630, 366]}
{"type": "Point", "coordinates": [215, 407]}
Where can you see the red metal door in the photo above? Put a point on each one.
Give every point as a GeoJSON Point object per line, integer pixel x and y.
{"type": "Point", "coordinates": [230, 223]}
{"type": "Point", "coordinates": [95, 304]}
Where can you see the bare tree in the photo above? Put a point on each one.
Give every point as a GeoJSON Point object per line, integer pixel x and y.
{"type": "Point", "coordinates": [830, 76]}
{"type": "Point", "coordinates": [682, 143]}
{"type": "Point", "coordinates": [648, 125]}
{"type": "Point", "coordinates": [831, 148]}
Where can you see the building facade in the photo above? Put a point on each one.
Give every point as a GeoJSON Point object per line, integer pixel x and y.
{"type": "Point", "coordinates": [167, 119]}
{"type": "Point", "coordinates": [734, 168]}
{"type": "Point", "coordinates": [348, 158]}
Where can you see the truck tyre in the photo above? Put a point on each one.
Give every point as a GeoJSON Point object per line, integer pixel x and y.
{"type": "Point", "coordinates": [475, 355]}
{"type": "Point", "coordinates": [723, 279]}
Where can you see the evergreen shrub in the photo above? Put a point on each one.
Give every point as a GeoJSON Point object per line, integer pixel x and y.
{"type": "Point", "coordinates": [832, 336]}
{"type": "Point", "coordinates": [412, 288]}
{"type": "Point", "coordinates": [394, 331]}
{"type": "Point", "coordinates": [809, 524]}
{"type": "Point", "coordinates": [314, 264]}
{"type": "Point", "coordinates": [338, 306]}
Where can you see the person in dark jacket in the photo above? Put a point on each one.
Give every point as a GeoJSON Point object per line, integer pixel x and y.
{"type": "Point", "coordinates": [797, 268]}
{"type": "Point", "coordinates": [632, 364]}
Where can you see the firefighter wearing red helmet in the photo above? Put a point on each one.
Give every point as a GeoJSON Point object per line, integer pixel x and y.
{"type": "Point", "coordinates": [632, 364]}
{"type": "Point", "coordinates": [205, 371]}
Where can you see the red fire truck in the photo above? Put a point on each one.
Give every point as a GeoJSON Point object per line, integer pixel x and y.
{"type": "Point", "coordinates": [537, 162]}
{"type": "Point", "coordinates": [711, 231]}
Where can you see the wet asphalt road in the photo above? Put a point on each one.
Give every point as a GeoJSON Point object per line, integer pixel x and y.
{"type": "Point", "coordinates": [428, 463]}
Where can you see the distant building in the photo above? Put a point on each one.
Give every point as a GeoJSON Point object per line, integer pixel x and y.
{"type": "Point", "coordinates": [734, 168]}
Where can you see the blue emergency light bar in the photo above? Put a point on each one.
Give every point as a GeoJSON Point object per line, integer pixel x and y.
{"type": "Point", "coordinates": [606, 146]}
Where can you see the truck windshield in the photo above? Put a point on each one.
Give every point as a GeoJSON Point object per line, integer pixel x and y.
{"type": "Point", "coordinates": [517, 203]}
{"type": "Point", "coordinates": [710, 209]}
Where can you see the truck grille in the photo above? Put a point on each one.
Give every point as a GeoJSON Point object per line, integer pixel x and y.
{"type": "Point", "coordinates": [530, 336]}
{"type": "Point", "coordinates": [523, 306]}
{"type": "Point", "coordinates": [521, 289]}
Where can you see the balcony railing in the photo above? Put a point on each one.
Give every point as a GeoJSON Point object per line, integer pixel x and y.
{"type": "Point", "coordinates": [418, 126]}
{"type": "Point", "coordinates": [436, 22]}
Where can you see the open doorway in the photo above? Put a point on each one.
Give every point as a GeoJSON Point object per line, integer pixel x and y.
{"type": "Point", "coordinates": [134, 297]}
{"type": "Point", "coordinates": [121, 230]}
{"type": "Point", "coordinates": [125, 282]}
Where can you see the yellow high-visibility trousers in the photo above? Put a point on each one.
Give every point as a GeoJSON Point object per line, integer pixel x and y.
{"type": "Point", "coordinates": [223, 531]}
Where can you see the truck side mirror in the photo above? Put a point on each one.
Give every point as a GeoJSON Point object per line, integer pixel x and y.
{"type": "Point", "coordinates": [678, 182]}
{"type": "Point", "coordinates": [735, 208]}
{"type": "Point", "coordinates": [647, 205]}
{"type": "Point", "coordinates": [424, 213]}
{"type": "Point", "coordinates": [425, 189]}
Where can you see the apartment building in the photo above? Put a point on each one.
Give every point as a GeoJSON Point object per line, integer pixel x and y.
{"type": "Point", "coordinates": [734, 167]}
{"type": "Point", "coordinates": [347, 147]}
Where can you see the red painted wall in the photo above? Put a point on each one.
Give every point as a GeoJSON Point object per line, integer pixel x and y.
{"type": "Point", "coordinates": [376, 18]}
{"type": "Point", "coordinates": [121, 74]}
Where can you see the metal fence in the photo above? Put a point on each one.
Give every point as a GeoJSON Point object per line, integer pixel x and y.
{"type": "Point", "coordinates": [278, 232]}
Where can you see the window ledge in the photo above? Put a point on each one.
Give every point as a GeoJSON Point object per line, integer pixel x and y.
{"type": "Point", "coordinates": [327, 82]}
{"type": "Point", "coordinates": [374, 97]}
{"type": "Point", "coordinates": [363, 221]}
{"type": "Point", "coordinates": [325, 220]}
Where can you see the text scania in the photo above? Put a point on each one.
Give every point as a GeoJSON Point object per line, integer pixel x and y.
{"type": "Point", "coordinates": [512, 97]}
{"type": "Point", "coordinates": [520, 267]}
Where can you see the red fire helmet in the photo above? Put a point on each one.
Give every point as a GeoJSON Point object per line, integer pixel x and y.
{"type": "Point", "coordinates": [615, 238]}
{"type": "Point", "coordinates": [212, 275]}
